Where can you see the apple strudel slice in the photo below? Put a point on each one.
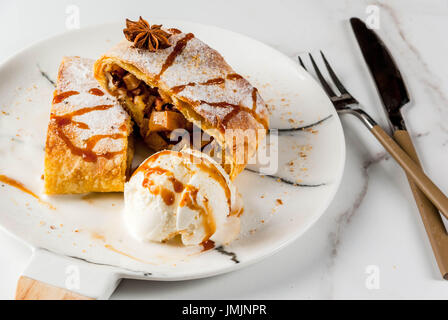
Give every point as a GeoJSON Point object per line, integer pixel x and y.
{"type": "Point", "coordinates": [88, 147]}
{"type": "Point", "coordinates": [178, 82]}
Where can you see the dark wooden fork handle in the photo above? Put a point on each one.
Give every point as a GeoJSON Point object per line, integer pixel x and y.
{"type": "Point", "coordinates": [413, 170]}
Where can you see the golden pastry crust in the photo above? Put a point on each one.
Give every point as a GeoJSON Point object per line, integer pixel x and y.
{"type": "Point", "coordinates": [202, 86]}
{"type": "Point", "coordinates": [88, 147]}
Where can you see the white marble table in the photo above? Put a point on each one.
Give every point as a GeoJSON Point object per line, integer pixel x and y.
{"type": "Point", "coordinates": [373, 226]}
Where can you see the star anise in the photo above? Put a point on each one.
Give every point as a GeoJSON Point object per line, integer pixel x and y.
{"type": "Point", "coordinates": [146, 36]}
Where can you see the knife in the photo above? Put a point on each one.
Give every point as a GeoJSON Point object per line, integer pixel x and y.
{"type": "Point", "coordinates": [394, 96]}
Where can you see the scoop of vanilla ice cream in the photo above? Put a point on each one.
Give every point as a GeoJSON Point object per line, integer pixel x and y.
{"type": "Point", "coordinates": [182, 193]}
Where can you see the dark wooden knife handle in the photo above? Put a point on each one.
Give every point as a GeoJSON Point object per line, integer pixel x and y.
{"type": "Point", "coordinates": [413, 170]}
{"type": "Point", "coordinates": [430, 215]}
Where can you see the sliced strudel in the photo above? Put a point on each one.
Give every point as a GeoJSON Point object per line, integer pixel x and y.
{"type": "Point", "coordinates": [88, 146]}
{"type": "Point", "coordinates": [170, 80]}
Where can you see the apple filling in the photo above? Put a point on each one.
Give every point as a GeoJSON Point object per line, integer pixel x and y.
{"type": "Point", "coordinates": [152, 110]}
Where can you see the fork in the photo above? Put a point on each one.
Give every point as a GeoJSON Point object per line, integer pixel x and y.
{"type": "Point", "coordinates": [345, 103]}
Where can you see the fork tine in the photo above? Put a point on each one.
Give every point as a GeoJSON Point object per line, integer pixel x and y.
{"type": "Point", "coordinates": [324, 83]}
{"type": "Point", "coordinates": [333, 76]}
{"type": "Point", "coordinates": [302, 64]}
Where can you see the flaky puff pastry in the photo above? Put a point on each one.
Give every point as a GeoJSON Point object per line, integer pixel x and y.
{"type": "Point", "coordinates": [202, 86]}
{"type": "Point", "coordinates": [88, 147]}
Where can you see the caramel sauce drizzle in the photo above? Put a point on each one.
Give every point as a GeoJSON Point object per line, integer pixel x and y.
{"type": "Point", "coordinates": [180, 88]}
{"type": "Point", "coordinates": [207, 245]}
{"type": "Point", "coordinates": [87, 152]}
{"type": "Point", "coordinates": [82, 111]}
{"type": "Point", "coordinates": [111, 248]}
{"type": "Point", "coordinates": [174, 31]}
{"type": "Point", "coordinates": [234, 76]}
{"type": "Point", "coordinates": [151, 170]}
{"type": "Point", "coordinates": [235, 110]}
{"type": "Point", "coordinates": [215, 81]}
{"type": "Point", "coordinates": [16, 184]}
{"type": "Point", "coordinates": [177, 185]}
{"type": "Point", "coordinates": [93, 140]}
{"type": "Point", "coordinates": [221, 104]}
{"type": "Point", "coordinates": [254, 99]}
{"type": "Point", "coordinates": [238, 213]}
{"type": "Point", "coordinates": [190, 200]}
{"type": "Point", "coordinates": [96, 92]}
{"type": "Point", "coordinates": [227, 118]}
{"type": "Point", "coordinates": [166, 194]}
{"type": "Point", "coordinates": [64, 95]}
{"type": "Point", "coordinates": [150, 160]}
{"type": "Point", "coordinates": [178, 48]}
{"type": "Point", "coordinates": [218, 177]}
{"type": "Point", "coordinates": [80, 125]}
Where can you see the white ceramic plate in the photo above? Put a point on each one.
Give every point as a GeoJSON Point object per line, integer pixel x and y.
{"type": "Point", "coordinates": [90, 227]}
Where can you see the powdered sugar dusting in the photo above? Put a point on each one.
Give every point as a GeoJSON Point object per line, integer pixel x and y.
{"type": "Point", "coordinates": [211, 113]}
{"type": "Point", "coordinates": [197, 63]}
{"type": "Point", "coordinates": [76, 74]}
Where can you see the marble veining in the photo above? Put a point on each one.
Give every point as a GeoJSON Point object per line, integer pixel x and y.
{"type": "Point", "coordinates": [346, 216]}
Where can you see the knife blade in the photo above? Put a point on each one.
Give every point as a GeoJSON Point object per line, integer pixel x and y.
{"type": "Point", "coordinates": [394, 95]}
{"type": "Point", "coordinates": [385, 73]}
